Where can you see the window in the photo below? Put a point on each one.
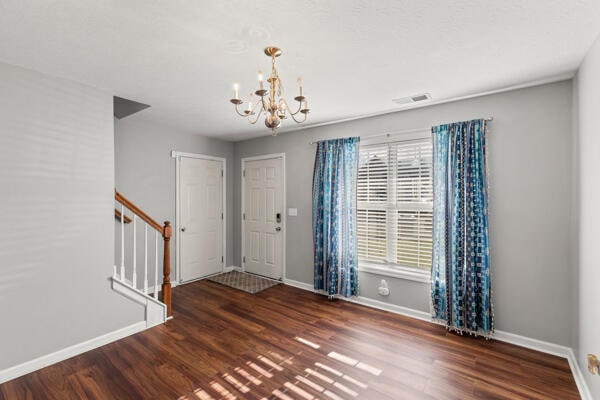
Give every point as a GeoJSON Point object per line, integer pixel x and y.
{"type": "Point", "coordinates": [395, 204]}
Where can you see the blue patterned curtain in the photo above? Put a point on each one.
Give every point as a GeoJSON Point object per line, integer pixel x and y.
{"type": "Point", "coordinates": [461, 292]}
{"type": "Point", "coordinates": [334, 217]}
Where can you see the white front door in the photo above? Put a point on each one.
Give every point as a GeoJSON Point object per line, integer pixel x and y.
{"type": "Point", "coordinates": [201, 217]}
{"type": "Point", "coordinates": [263, 217]}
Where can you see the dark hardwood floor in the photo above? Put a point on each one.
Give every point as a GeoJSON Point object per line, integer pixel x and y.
{"type": "Point", "coordinates": [285, 343]}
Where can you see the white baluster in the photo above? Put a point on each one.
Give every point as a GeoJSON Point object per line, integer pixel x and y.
{"type": "Point", "coordinates": [115, 266]}
{"type": "Point", "coordinates": [156, 265]}
{"type": "Point", "coordinates": [122, 243]}
{"type": "Point", "coordinates": [134, 278]}
{"type": "Point", "coordinates": [145, 258]}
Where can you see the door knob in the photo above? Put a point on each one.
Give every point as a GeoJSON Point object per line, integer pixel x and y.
{"type": "Point", "coordinates": [278, 229]}
{"type": "Point", "coordinates": [183, 229]}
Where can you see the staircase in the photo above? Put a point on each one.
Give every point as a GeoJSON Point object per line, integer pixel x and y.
{"type": "Point", "coordinates": [139, 260]}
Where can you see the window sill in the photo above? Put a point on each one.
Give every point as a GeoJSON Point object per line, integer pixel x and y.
{"type": "Point", "coordinates": [396, 272]}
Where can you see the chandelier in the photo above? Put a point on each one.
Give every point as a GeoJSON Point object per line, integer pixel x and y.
{"type": "Point", "coordinates": [270, 101]}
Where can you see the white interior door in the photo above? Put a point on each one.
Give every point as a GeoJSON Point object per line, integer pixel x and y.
{"type": "Point", "coordinates": [201, 217]}
{"type": "Point", "coordinates": [263, 217]}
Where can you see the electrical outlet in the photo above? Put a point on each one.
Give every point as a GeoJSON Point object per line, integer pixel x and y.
{"type": "Point", "coordinates": [593, 364]}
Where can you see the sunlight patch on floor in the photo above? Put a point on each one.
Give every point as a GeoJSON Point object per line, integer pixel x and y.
{"type": "Point", "coordinates": [281, 358]}
{"type": "Point", "coordinates": [332, 395]}
{"type": "Point", "coordinates": [307, 342]}
{"type": "Point", "coordinates": [280, 395]}
{"type": "Point", "coordinates": [237, 384]}
{"type": "Point", "coordinates": [270, 363]}
{"type": "Point", "coordinates": [343, 358]}
{"type": "Point", "coordinates": [355, 363]}
{"type": "Point", "coordinates": [259, 369]}
{"type": "Point", "coordinates": [321, 378]}
{"type": "Point", "coordinates": [222, 391]}
{"type": "Point", "coordinates": [346, 389]}
{"type": "Point", "coordinates": [319, 375]}
{"type": "Point", "coordinates": [356, 382]}
{"type": "Point", "coordinates": [328, 369]}
{"type": "Point", "coordinates": [202, 395]}
{"type": "Point", "coordinates": [310, 383]}
{"type": "Point", "coordinates": [251, 378]}
{"type": "Point", "coordinates": [368, 368]}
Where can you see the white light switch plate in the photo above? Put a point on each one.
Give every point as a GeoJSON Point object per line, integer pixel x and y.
{"type": "Point", "coordinates": [293, 212]}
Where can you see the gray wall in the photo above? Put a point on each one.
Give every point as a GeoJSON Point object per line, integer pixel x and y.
{"type": "Point", "coordinates": [530, 166]}
{"type": "Point", "coordinates": [145, 171]}
{"type": "Point", "coordinates": [588, 98]}
{"type": "Point", "coordinates": [56, 245]}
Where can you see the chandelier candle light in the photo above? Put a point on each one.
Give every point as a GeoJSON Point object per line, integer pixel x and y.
{"type": "Point", "coordinates": [270, 101]}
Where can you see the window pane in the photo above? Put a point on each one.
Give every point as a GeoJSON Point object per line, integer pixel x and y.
{"type": "Point", "coordinates": [395, 203]}
{"type": "Point", "coordinates": [371, 229]}
{"type": "Point", "coordinates": [373, 174]}
{"type": "Point", "coordinates": [414, 182]}
{"type": "Point", "coordinates": [414, 239]}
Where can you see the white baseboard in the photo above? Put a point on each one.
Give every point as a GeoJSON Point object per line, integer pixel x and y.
{"type": "Point", "coordinates": [71, 351]}
{"type": "Point", "coordinates": [534, 344]}
{"type": "Point", "coordinates": [518, 340]}
{"type": "Point", "coordinates": [380, 305]}
{"type": "Point", "coordinates": [299, 285]}
{"type": "Point", "coordinates": [584, 390]}
{"type": "Point", "coordinates": [232, 268]}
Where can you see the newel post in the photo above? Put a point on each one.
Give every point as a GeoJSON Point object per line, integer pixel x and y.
{"type": "Point", "coordinates": [166, 285]}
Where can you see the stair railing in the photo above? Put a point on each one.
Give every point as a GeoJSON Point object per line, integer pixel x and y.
{"type": "Point", "coordinates": [164, 231]}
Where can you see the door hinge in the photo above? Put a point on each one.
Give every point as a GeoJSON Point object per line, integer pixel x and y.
{"type": "Point", "coordinates": [222, 259]}
{"type": "Point", "coordinates": [244, 259]}
{"type": "Point", "coordinates": [221, 215]}
{"type": "Point", "coordinates": [244, 216]}
{"type": "Point", "coordinates": [244, 173]}
{"type": "Point", "coordinates": [221, 172]}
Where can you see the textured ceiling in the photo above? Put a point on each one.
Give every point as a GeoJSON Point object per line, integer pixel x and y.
{"type": "Point", "coordinates": [354, 56]}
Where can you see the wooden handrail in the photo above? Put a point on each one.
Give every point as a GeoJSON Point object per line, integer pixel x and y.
{"type": "Point", "coordinates": [126, 219]}
{"type": "Point", "coordinates": [166, 232]}
{"type": "Point", "coordinates": [137, 211]}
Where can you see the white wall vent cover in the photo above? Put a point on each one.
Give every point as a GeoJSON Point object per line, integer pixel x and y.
{"type": "Point", "coordinates": [412, 99]}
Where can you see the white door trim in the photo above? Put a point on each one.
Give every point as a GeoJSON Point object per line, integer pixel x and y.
{"type": "Point", "coordinates": [177, 156]}
{"type": "Point", "coordinates": [283, 213]}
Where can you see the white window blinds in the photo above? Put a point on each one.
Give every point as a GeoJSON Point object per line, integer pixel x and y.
{"type": "Point", "coordinates": [395, 197]}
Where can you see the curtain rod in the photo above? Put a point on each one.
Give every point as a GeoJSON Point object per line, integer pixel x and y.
{"type": "Point", "coordinates": [392, 133]}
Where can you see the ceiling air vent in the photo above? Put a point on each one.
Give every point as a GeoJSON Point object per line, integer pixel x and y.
{"type": "Point", "coordinates": [412, 99]}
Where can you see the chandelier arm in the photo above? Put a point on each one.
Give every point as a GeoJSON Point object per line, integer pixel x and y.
{"type": "Point", "coordinates": [238, 112]}
{"type": "Point", "coordinates": [290, 110]}
{"type": "Point", "coordinates": [262, 100]}
{"type": "Point", "coordinates": [260, 111]}
{"type": "Point", "coordinates": [258, 106]}
{"type": "Point", "coordinates": [298, 121]}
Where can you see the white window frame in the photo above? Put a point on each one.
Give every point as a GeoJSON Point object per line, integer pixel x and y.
{"type": "Point", "coordinates": [392, 270]}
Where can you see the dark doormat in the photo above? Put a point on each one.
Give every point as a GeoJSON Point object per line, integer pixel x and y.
{"type": "Point", "coordinates": [243, 281]}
